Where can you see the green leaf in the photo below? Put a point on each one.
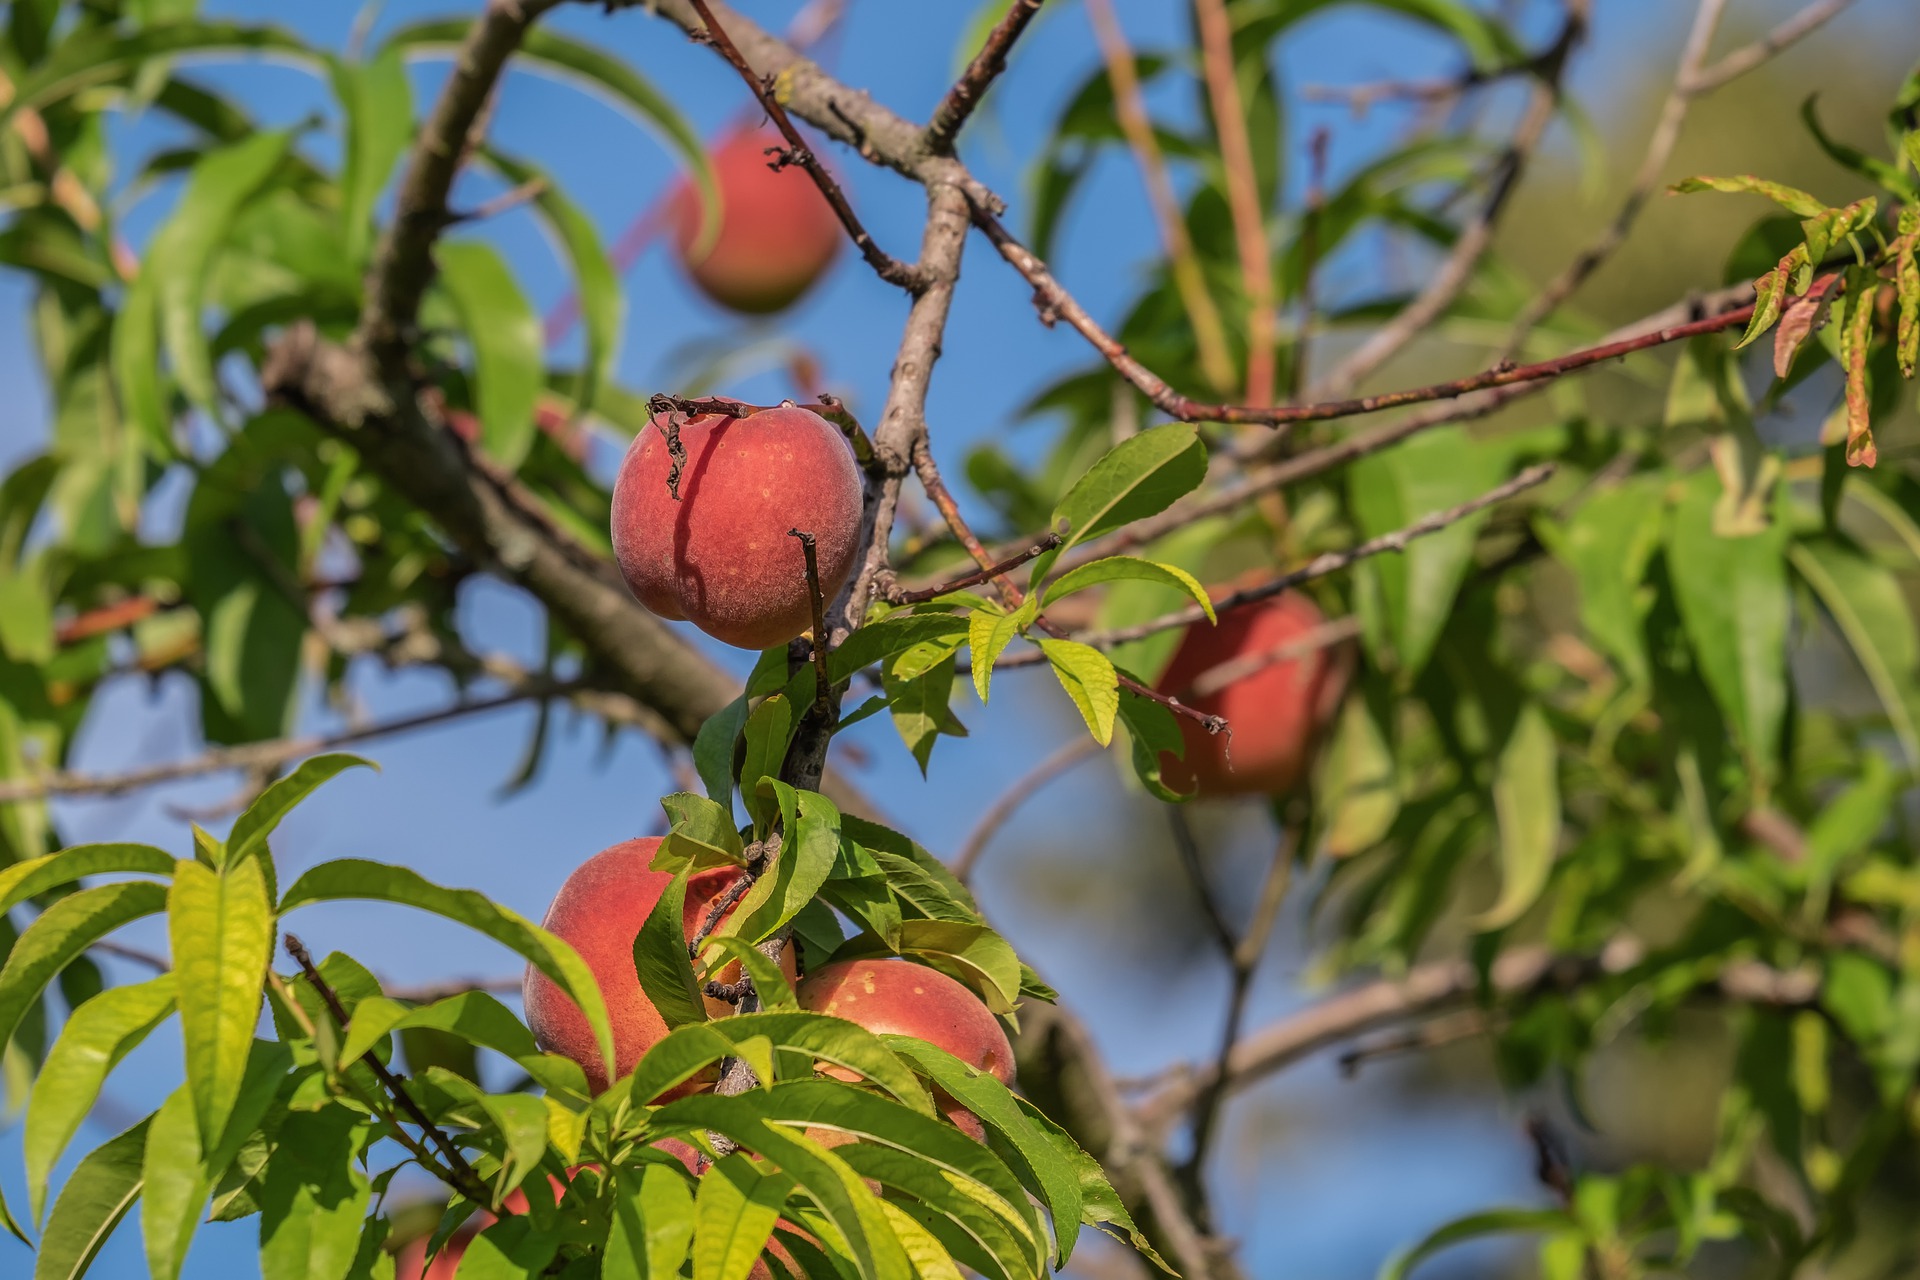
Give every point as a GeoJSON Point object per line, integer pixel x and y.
{"type": "Point", "coordinates": [1732, 593]}
{"type": "Point", "coordinates": [98, 1034]}
{"type": "Point", "coordinates": [24, 880]}
{"type": "Point", "coordinates": [103, 54]}
{"type": "Point", "coordinates": [378, 103]}
{"type": "Point", "coordinates": [968, 951]}
{"type": "Point", "coordinates": [1526, 801]}
{"type": "Point", "coordinates": [350, 879]}
{"type": "Point", "coordinates": [1046, 1170]}
{"type": "Point", "coordinates": [988, 635]}
{"type": "Point", "coordinates": [713, 751]}
{"type": "Point", "coordinates": [1407, 598]}
{"type": "Point", "coordinates": [701, 834]}
{"type": "Point", "coordinates": [1139, 477]}
{"type": "Point", "coordinates": [263, 816]}
{"type": "Point", "coordinates": [769, 730]}
{"type": "Point", "coordinates": [504, 333]}
{"type": "Point", "coordinates": [891, 636]}
{"type": "Point", "coordinates": [511, 1249]}
{"type": "Point", "coordinates": [1152, 732]}
{"type": "Point", "coordinates": [652, 1224]}
{"type": "Point", "coordinates": [603, 306]}
{"type": "Point", "coordinates": [808, 849]}
{"type": "Point", "coordinates": [734, 1213]}
{"type": "Point", "coordinates": [605, 75]}
{"type": "Point", "coordinates": [1472, 1227]}
{"type": "Point", "coordinates": [1090, 680]}
{"type": "Point", "coordinates": [61, 934]}
{"type": "Point", "coordinates": [314, 1197]}
{"type": "Point", "coordinates": [221, 928]}
{"type": "Point", "coordinates": [660, 957]}
{"type": "Point", "coordinates": [1360, 788]}
{"type": "Point", "coordinates": [92, 1203]}
{"type": "Point", "coordinates": [1129, 568]}
{"type": "Point", "coordinates": [687, 1050]}
{"type": "Point", "coordinates": [176, 1185]}
{"type": "Point", "coordinates": [921, 706]}
{"type": "Point", "coordinates": [26, 615]}
{"type": "Point", "coordinates": [1790, 198]}
{"type": "Point", "coordinates": [1607, 544]}
{"type": "Point", "coordinates": [1869, 606]}
{"type": "Point", "coordinates": [471, 1017]}
{"type": "Point", "coordinates": [771, 985]}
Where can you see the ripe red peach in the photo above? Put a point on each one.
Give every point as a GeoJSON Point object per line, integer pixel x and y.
{"type": "Point", "coordinates": [777, 234]}
{"type": "Point", "coordinates": [720, 555]}
{"type": "Point", "coordinates": [898, 997]}
{"type": "Point", "coordinates": [1277, 713]}
{"type": "Point", "coordinates": [599, 911]}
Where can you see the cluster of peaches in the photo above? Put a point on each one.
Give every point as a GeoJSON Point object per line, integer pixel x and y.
{"type": "Point", "coordinates": [701, 521]}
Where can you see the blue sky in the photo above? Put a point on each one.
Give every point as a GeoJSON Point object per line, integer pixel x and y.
{"type": "Point", "coordinates": [1326, 1198]}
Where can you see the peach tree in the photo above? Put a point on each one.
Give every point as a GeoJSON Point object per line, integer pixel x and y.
{"type": "Point", "coordinates": [1521, 663]}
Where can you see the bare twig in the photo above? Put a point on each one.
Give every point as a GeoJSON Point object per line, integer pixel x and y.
{"type": "Point", "coordinates": [1029, 785]}
{"type": "Point", "coordinates": [890, 269]}
{"type": "Point", "coordinates": [1234, 670]}
{"type": "Point", "coordinates": [1476, 237]}
{"type": "Point", "coordinates": [901, 595]}
{"type": "Point", "coordinates": [1666, 135]}
{"type": "Point", "coordinates": [954, 109]}
{"type": "Point", "coordinates": [430, 992]}
{"type": "Point", "coordinates": [506, 201]}
{"type": "Point", "coordinates": [721, 904]}
{"type": "Point", "coordinates": [1442, 1031]}
{"type": "Point", "coordinates": [1746, 58]}
{"type": "Point", "coordinates": [823, 692]}
{"type": "Point", "coordinates": [259, 755]}
{"type": "Point", "coordinates": [1243, 194]}
{"type": "Point", "coordinates": [1129, 108]}
{"type": "Point", "coordinates": [464, 1179]}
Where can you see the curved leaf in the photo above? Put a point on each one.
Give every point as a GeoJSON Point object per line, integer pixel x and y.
{"type": "Point", "coordinates": [92, 1203]}
{"type": "Point", "coordinates": [1472, 1227]}
{"type": "Point", "coordinates": [661, 961]}
{"type": "Point", "coordinates": [378, 104]}
{"type": "Point", "coordinates": [61, 934]}
{"type": "Point", "coordinates": [356, 879]}
{"type": "Point", "coordinates": [24, 880]}
{"type": "Point", "coordinates": [221, 928]}
{"type": "Point", "coordinates": [1870, 608]}
{"type": "Point", "coordinates": [1089, 678]}
{"type": "Point", "coordinates": [97, 1035]}
{"type": "Point", "coordinates": [652, 1224]}
{"type": "Point", "coordinates": [1526, 800]}
{"type": "Point", "coordinates": [504, 333]}
{"type": "Point", "coordinates": [1125, 569]}
{"type": "Point", "coordinates": [733, 1214]}
{"type": "Point", "coordinates": [176, 1185]}
{"type": "Point", "coordinates": [263, 816]}
{"type": "Point", "coordinates": [1141, 476]}
{"type": "Point", "coordinates": [690, 1049]}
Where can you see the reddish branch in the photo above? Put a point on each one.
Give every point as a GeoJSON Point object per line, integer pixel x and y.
{"type": "Point", "coordinates": [900, 595]}
{"type": "Point", "coordinates": [954, 109]}
{"type": "Point", "coordinates": [890, 269]}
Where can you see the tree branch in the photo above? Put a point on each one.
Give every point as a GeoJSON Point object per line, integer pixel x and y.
{"type": "Point", "coordinates": [954, 109]}
{"type": "Point", "coordinates": [1745, 59]}
{"type": "Point", "coordinates": [1024, 789]}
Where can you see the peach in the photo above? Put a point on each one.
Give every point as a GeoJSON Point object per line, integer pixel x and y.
{"type": "Point", "coordinates": [1276, 713]}
{"type": "Point", "coordinates": [719, 556]}
{"type": "Point", "coordinates": [599, 911]}
{"type": "Point", "coordinates": [777, 235]}
{"type": "Point", "coordinates": [411, 1262]}
{"type": "Point", "coordinates": [898, 997]}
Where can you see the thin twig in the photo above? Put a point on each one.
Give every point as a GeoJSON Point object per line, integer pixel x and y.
{"type": "Point", "coordinates": [465, 1180]}
{"type": "Point", "coordinates": [954, 109]}
{"type": "Point", "coordinates": [1234, 670]}
{"type": "Point", "coordinates": [1666, 135]}
{"type": "Point", "coordinates": [823, 691]}
{"type": "Point", "coordinates": [1746, 58]}
{"type": "Point", "coordinates": [1476, 237]}
{"type": "Point", "coordinates": [1024, 789]}
{"type": "Point", "coordinates": [721, 904]}
{"type": "Point", "coordinates": [1449, 1029]}
{"type": "Point", "coordinates": [1243, 193]}
{"type": "Point", "coordinates": [890, 269]}
{"type": "Point", "coordinates": [1130, 110]}
{"type": "Point", "coordinates": [506, 201]}
{"type": "Point", "coordinates": [900, 595]}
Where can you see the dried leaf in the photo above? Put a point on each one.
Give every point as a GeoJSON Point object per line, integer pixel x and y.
{"type": "Point", "coordinates": [1800, 322]}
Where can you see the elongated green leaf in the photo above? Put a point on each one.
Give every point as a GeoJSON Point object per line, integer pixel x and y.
{"type": "Point", "coordinates": [474, 1016]}
{"type": "Point", "coordinates": [1792, 199]}
{"type": "Point", "coordinates": [1046, 1170]}
{"type": "Point", "coordinates": [1090, 680]}
{"type": "Point", "coordinates": [1526, 800]}
{"type": "Point", "coordinates": [921, 703]}
{"type": "Point", "coordinates": [518, 1121]}
{"type": "Point", "coordinates": [652, 1224]}
{"type": "Point", "coordinates": [734, 1213]}
{"type": "Point", "coordinates": [504, 334]}
{"type": "Point", "coordinates": [92, 1203]}
{"type": "Point", "coordinates": [1125, 569]}
{"type": "Point", "coordinates": [1100, 1204]}
{"type": "Point", "coordinates": [314, 1197]}
{"type": "Point", "coordinates": [378, 103]}
{"type": "Point", "coordinates": [263, 816]}
{"type": "Point", "coordinates": [61, 934]}
{"type": "Point", "coordinates": [713, 751]}
{"type": "Point", "coordinates": [511, 1249]}
{"type": "Point", "coordinates": [689, 1049]}
{"type": "Point", "coordinates": [660, 958]}
{"type": "Point", "coordinates": [808, 849]}
{"type": "Point", "coordinates": [96, 1037]}
{"type": "Point", "coordinates": [603, 307]}
{"type": "Point", "coordinates": [701, 834]}
{"type": "Point", "coordinates": [1870, 608]}
{"type": "Point", "coordinates": [1141, 476]}
{"type": "Point", "coordinates": [890, 636]}
{"type": "Point", "coordinates": [1732, 593]}
{"type": "Point", "coordinates": [989, 634]}
{"type": "Point", "coordinates": [24, 880]}
{"type": "Point", "coordinates": [104, 54]}
{"type": "Point", "coordinates": [768, 731]}
{"type": "Point", "coordinates": [175, 1183]}
{"type": "Point", "coordinates": [1608, 544]}
{"type": "Point", "coordinates": [1412, 593]}
{"type": "Point", "coordinates": [354, 879]}
{"type": "Point", "coordinates": [221, 928]}
{"type": "Point", "coordinates": [1472, 1227]}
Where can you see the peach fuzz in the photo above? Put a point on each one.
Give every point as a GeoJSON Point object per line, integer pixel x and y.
{"type": "Point", "coordinates": [898, 997]}
{"type": "Point", "coordinates": [599, 911]}
{"type": "Point", "coordinates": [1276, 714]}
{"type": "Point", "coordinates": [720, 556]}
{"type": "Point", "coordinates": [777, 233]}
